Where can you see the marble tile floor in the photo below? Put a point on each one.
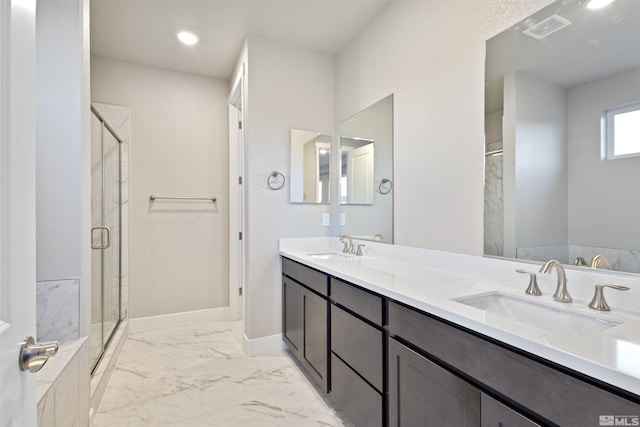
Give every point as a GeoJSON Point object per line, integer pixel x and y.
{"type": "Point", "coordinates": [199, 376]}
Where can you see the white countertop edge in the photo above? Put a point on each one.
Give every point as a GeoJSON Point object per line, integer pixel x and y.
{"type": "Point", "coordinates": [591, 368]}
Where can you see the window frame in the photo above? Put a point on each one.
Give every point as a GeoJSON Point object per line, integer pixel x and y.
{"type": "Point", "coordinates": [609, 128]}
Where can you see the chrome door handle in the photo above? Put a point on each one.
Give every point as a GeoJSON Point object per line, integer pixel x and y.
{"type": "Point", "coordinates": [33, 356]}
{"type": "Point", "coordinates": [101, 227]}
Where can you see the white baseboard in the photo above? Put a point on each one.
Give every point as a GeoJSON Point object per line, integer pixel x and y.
{"type": "Point", "coordinates": [263, 345]}
{"type": "Point", "coordinates": [154, 323]}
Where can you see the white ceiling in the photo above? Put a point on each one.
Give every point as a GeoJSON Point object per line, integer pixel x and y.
{"type": "Point", "coordinates": [143, 31]}
{"type": "Point", "coordinates": [596, 44]}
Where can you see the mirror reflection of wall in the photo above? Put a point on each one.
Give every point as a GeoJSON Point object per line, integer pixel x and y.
{"type": "Point", "coordinates": [310, 166]}
{"type": "Point", "coordinates": [366, 151]}
{"type": "Point", "coordinates": [552, 189]}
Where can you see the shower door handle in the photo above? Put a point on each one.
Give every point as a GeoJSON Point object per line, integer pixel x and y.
{"type": "Point", "coordinates": [108, 230]}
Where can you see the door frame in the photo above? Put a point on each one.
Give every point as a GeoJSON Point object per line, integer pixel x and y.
{"type": "Point", "coordinates": [236, 197]}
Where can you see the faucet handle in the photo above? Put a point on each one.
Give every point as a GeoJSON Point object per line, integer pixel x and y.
{"type": "Point", "coordinates": [533, 288]}
{"type": "Point", "coordinates": [598, 302]}
{"type": "Point", "coordinates": [359, 252]}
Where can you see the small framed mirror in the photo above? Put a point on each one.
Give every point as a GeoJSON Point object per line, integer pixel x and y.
{"type": "Point", "coordinates": [310, 166]}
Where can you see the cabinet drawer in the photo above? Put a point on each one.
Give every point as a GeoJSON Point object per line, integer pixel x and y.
{"type": "Point", "coordinates": [357, 399]}
{"type": "Point", "coordinates": [309, 277]}
{"type": "Point", "coordinates": [505, 371]}
{"type": "Point", "coordinates": [358, 344]}
{"type": "Point", "coordinates": [357, 300]}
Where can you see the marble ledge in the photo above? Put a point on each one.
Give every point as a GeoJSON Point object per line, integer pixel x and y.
{"type": "Point", "coordinates": [51, 371]}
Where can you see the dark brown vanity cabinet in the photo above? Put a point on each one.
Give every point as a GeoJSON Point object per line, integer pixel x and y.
{"type": "Point", "coordinates": [391, 364]}
{"type": "Point", "coordinates": [305, 318]}
{"type": "Point", "coordinates": [357, 354]}
{"type": "Point", "coordinates": [544, 393]}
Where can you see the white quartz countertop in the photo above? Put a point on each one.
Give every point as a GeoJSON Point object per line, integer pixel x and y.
{"type": "Point", "coordinates": [416, 278]}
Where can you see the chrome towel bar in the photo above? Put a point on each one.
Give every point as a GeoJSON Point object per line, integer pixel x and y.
{"type": "Point", "coordinates": [153, 198]}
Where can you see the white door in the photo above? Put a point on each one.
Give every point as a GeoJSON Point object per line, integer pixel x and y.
{"type": "Point", "coordinates": [360, 175]}
{"type": "Point", "coordinates": [17, 208]}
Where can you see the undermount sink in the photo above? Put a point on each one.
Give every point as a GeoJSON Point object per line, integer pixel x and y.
{"type": "Point", "coordinates": [331, 256]}
{"type": "Point", "coordinates": [541, 315]}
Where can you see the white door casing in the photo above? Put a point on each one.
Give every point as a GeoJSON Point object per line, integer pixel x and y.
{"type": "Point", "coordinates": [236, 197]}
{"type": "Point", "coordinates": [17, 208]}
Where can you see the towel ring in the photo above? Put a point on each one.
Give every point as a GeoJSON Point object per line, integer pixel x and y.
{"type": "Point", "coordinates": [275, 181]}
{"type": "Point", "coordinates": [385, 187]}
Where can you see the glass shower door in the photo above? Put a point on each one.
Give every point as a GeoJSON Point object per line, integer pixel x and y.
{"type": "Point", "coordinates": [105, 236]}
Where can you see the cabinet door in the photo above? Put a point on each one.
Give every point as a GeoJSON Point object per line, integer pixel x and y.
{"type": "Point", "coordinates": [356, 399]}
{"type": "Point", "coordinates": [495, 414]}
{"type": "Point", "coordinates": [316, 343]}
{"type": "Point", "coordinates": [292, 314]}
{"type": "Point", "coordinates": [423, 394]}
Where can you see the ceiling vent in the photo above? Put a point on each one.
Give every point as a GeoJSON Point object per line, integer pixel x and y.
{"type": "Point", "coordinates": [546, 27]}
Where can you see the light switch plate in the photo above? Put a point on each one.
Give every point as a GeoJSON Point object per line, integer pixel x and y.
{"type": "Point", "coordinates": [326, 219]}
{"type": "Point", "coordinates": [343, 219]}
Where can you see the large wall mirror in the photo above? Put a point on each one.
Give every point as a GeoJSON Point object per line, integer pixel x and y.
{"type": "Point", "coordinates": [554, 189]}
{"type": "Point", "coordinates": [310, 165]}
{"type": "Point", "coordinates": [366, 173]}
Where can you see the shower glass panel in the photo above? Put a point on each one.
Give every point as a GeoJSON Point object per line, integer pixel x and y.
{"type": "Point", "coordinates": [105, 236]}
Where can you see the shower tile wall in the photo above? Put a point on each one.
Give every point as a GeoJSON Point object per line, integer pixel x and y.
{"type": "Point", "coordinates": [620, 259]}
{"type": "Point", "coordinates": [493, 203]}
{"type": "Point", "coordinates": [57, 310]}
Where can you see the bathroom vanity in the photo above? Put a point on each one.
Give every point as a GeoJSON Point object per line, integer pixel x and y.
{"type": "Point", "coordinates": [396, 338]}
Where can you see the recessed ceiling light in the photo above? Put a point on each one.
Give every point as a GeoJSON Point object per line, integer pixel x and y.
{"type": "Point", "coordinates": [187, 37]}
{"type": "Point", "coordinates": [598, 4]}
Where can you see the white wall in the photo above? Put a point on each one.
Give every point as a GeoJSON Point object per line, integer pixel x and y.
{"type": "Point", "coordinates": [288, 88]}
{"type": "Point", "coordinates": [179, 147]}
{"type": "Point", "coordinates": [604, 200]}
{"type": "Point", "coordinates": [493, 127]}
{"type": "Point", "coordinates": [430, 55]}
{"type": "Point", "coordinates": [535, 162]}
{"type": "Point", "coordinates": [63, 175]}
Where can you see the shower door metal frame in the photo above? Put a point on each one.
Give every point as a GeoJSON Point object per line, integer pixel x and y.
{"type": "Point", "coordinates": [106, 343]}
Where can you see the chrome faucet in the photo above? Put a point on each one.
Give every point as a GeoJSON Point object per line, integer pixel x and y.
{"type": "Point", "coordinates": [561, 294]}
{"type": "Point", "coordinates": [580, 261]}
{"type": "Point", "coordinates": [599, 260]}
{"type": "Point", "coordinates": [348, 246]}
